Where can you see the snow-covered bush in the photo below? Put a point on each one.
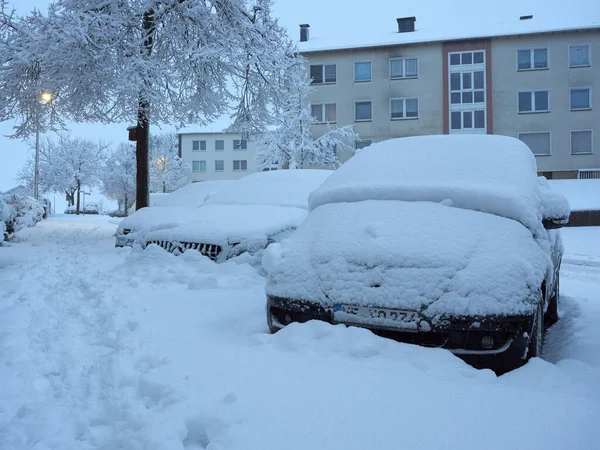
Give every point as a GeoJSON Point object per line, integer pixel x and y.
{"type": "Point", "coordinates": [27, 212]}
{"type": "Point", "coordinates": [7, 215]}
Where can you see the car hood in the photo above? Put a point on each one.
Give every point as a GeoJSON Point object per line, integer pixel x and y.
{"type": "Point", "coordinates": [418, 256]}
{"type": "Point", "coordinates": [229, 224]}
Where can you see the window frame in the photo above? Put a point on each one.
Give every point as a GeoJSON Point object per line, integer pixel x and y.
{"type": "Point", "coordinates": [323, 111]}
{"type": "Point", "coordinates": [533, 110]}
{"type": "Point", "coordinates": [363, 101]}
{"type": "Point", "coordinates": [591, 142]}
{"type": "Point", "coordinates": [322, 74]}
{"type": "Point", "coordinates": [531, 51]}
{"type": "Point", "coordinates": [219, 160]}
{"type": "Point", "coordinates": [370, 142]}
{"type": "Point", "coordinates": [403, 99]}
{"type": "Point", "coordinates": [589, 108]}
{"type": "Point", "coordinates": [370, 71]}
{"type": "Point", "coordinates": [219, 149]}
{"type": "Point", "coordinates": [199, 161]}
{"type": "Point", "coordinates": [548, 132]}
{"type": "Point", "coordinates": [589, 47]}
{"type": "Point", "coordinates": [403, 59]}
{"type": "Point", "coordinates": [241, 141]}
{"type": "Point", "coordinates": [240, 161]}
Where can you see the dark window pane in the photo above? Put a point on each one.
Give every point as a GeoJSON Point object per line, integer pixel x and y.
{"type": "Point", "coordinates": [479, 97]}
{"type": "Point", "coordinates": [412, 107]}
{"type": "Point", "coordinates": [466, 80]}
{"type": "Point", "coordinates": [467, 58]}
{"type": "Point", "coordinates": [480, 119]}
{"type": "Point", "coordinates": [316, 73]}
{"type": "Point", "coordinates": [541, 101]}
{"type": "Point", "coordinates": [362, 71]}
{"type": "Point", "coordinates": [317, 112]}
{"type": "Point", "coordinates": [455, 59]}
{"type": "Point", "coordinates": [478, 79]}
{"type": "Point", "coordinates": [195, 145]}
{"type": "Point", "coordinates": [540, 58]}
{"type": "Point", "coordinates": [467, 119]}
{"type": "Point", "coordinates": [524, 101]}
{"type": "Point", "coordinates": [455, 81]}
{"type": "Point", "coordinates": [455, 120]}
{"type": "Point", "coordinates": [524, 59]}
{"type": "Point", "coordinates": [581, 142]}
{"type": "Point", "coordinates": [412, 67]}
{"type": "Point", "coordinates": [363, 110]}
{"type": "Point", "coordinates": [397, 109]}
{"type": "Point", "coordinates": [330, 73]}
{"type": "Point", "coordinates": [455, 98]}
{"type": "Point", "coordinates": [478, 57]}
{"type": "Point", "coordinates": [396, 68]}
{"type": "Point", "coordinates": [330, 112]}
{"type": "Point", "coordinates": [467, 97]}
{"type": "Point", "coordinates": [580, 98]}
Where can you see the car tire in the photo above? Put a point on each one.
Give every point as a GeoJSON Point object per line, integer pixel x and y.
{"type": "Point", "coordinates": [552, 312]}
{"type": "Point", "coordinates": [537, 333]}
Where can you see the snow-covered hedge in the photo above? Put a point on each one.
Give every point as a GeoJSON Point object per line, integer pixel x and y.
{"type": "Point", "coordinates": [26, 212]}
{"type": "Point", "coordinates": [7, 215]}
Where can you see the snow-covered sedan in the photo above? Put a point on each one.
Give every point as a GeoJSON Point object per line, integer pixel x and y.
{"type": "Point", "coordinates": [171, 210]}
{"type": "Point", "coordinates": [246, 216]}
{"type": "Point", "coordinates": [444, 241]}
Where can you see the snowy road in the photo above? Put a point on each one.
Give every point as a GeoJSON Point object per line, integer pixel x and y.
{"type": "Point", "coordinates": [104, 348]}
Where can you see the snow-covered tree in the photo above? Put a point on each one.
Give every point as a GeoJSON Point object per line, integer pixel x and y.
{"type": "Point", "coordinates": [165, 61]}
{"type": "Point", "coordinates": [118, 175]}
{"type": "Point", "coordinates": [288, 142]}
{"type": "Point", "coordinates": [167, 171]}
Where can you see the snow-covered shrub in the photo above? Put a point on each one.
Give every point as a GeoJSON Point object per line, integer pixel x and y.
{"type": "Point", "coordinates": [7, 215]}
{"type": "Point", "coordinates": [28, 212]}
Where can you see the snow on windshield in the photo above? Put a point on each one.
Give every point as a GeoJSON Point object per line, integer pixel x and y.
{"type": "Point", "coordinates": [193, 194]}
{"type": "Point", "coordinates": [494, 174]}
{"type": "Point", "coordinates": [279, 187]}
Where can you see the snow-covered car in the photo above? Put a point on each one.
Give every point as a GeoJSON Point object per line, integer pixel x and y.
{"type": "Point", "coordinates": [168, 210]}
{"type": "Point", "coordinates": [71, 209]}
{"type": "Point", "coordinates": [443, 241]}
{"type": "Point", "coordinates": [90, 208]}
{"type": "Point", "coordinates": [246, 216]}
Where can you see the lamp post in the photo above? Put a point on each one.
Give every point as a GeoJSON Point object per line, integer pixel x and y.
{"type": "Point", "coordinates": [45, 97]}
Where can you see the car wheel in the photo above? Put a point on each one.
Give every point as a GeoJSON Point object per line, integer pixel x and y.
{"type": "Point", "coordinates": [552, 312]}
{"type": "Point", "coordinates": [537, 337]}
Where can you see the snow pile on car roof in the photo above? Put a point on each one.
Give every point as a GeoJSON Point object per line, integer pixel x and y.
{"type": "Point", "coordinates": [159, 216]}
{"type": "Point", "coordinates": [223, 224]}
{"type": "Point", "coordinates": [279, 187]}
{"type": "Point", "coordinates": [494, 174]}
{"type": "Point", "coordinates": [193, 194]}
{"type": "Point", "coordinates": [417, 256]}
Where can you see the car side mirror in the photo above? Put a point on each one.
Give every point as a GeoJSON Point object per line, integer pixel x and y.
{"type": "Point", "coordinates": [552, 224]}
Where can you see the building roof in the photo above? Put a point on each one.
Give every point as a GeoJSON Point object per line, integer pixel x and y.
{"type": "Point", "coordinates": [339, 24]}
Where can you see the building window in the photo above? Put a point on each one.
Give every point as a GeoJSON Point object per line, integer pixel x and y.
{"type": "Point", "coordinates": [198, 166]}
{"type": "Point", "coordinates": [404, 108]}
{"type": "Point", "coordinates": [581, 99]}
{"type": "Point", "coordinates": [467, 120]}
{"type": "Point", "coordinates": [404, 68]}
{"type": "Point", "coordinates": [581, 142]}
{"type": "Point", "coordinates": [362, 71]}
{"type": "Point", "coordinates": [219, 145]}
{"type": "Point", "coordinates": [324, 112]}
{"type": "Point", "coordinates": [240, 144]}
{"type": "Point", "coordinates": [467, 58]}
{"type": "Point", "coordinates": [467, 87]}
{"type": "Point", "coordinates": [538, 143]}
{"type": "Point", "coordinates": [532, 59]}
{"type": "Point", "coordinates": [323, 74]}
{"type": "Point", "coordinates": [466, 91]}
{"type": "Point", "coordinates": [219, 165]}
{"type": "Point", "coordinates": [534, 101]}
{"type": "Point", "coordinates": [579, 55]}
{"type": "Point", "coordinates": [362, 111]}
{"type": "Point", "coordinates": [240, 165]}
{"type": "Point", "coordinates": [198, 145]}
{"type": "Point", "coordinates": [362, 143]}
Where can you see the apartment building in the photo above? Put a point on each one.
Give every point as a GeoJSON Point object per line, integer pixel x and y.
{"type": "Point", "coordinates": [216, 155]}
{"type": "Point", "coordinates": [536, 80]}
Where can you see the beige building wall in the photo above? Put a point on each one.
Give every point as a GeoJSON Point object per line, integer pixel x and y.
{"type": "Point", "coordinates": [558, 79]}
{"type": "Point", "coordinates": [210, 155]}
{"type": "Point", "coordinates": [426, 87]}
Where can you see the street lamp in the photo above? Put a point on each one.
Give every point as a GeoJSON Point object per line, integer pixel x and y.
{"type": "Point", "coordinates": [45, 97]}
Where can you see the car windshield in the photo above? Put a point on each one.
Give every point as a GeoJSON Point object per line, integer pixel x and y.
{"type": "Point", "coordinates": [281, 188]}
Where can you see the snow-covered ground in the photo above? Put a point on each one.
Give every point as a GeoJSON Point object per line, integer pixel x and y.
{"type": "Point", "coordinates": [110, 348]}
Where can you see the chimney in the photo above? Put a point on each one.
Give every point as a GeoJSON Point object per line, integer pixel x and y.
{"type": "Point", "coordinates": [406, 24]}
{"type": "Point", "coordinates": [304, 32]}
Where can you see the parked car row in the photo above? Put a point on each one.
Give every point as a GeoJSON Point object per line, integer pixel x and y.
{"type": "Point", "coordinates": [442, 241]}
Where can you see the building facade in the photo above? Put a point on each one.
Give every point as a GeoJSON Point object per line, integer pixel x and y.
{"type": "Point", "coordinates": [543, 88]}
{"type": "Point", "coordinates": [217, 155]}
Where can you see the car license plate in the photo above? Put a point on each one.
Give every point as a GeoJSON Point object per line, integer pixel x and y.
{"type": "Point", "coordinates": [374, 314]}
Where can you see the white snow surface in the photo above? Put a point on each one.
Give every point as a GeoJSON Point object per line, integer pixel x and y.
{"type": "Point", "coordinates": [583, 195]}
{"type": "Point", "coordinates": [336, 24]}
{"type": "Point", "coordinates": [193, 194]}
{"type": "Point", "coordinates": [488, 173]}
{"type": "Point", "coordinates": [123, 349]}
{"type": "Point", "coordinates": [409, 256]}
{"type": "Point", "coordinates": [222, 224]}
{"type": "Point", "coordinates": [159, 217]}
{"type": "Point", "coordinates": [279, 187]}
